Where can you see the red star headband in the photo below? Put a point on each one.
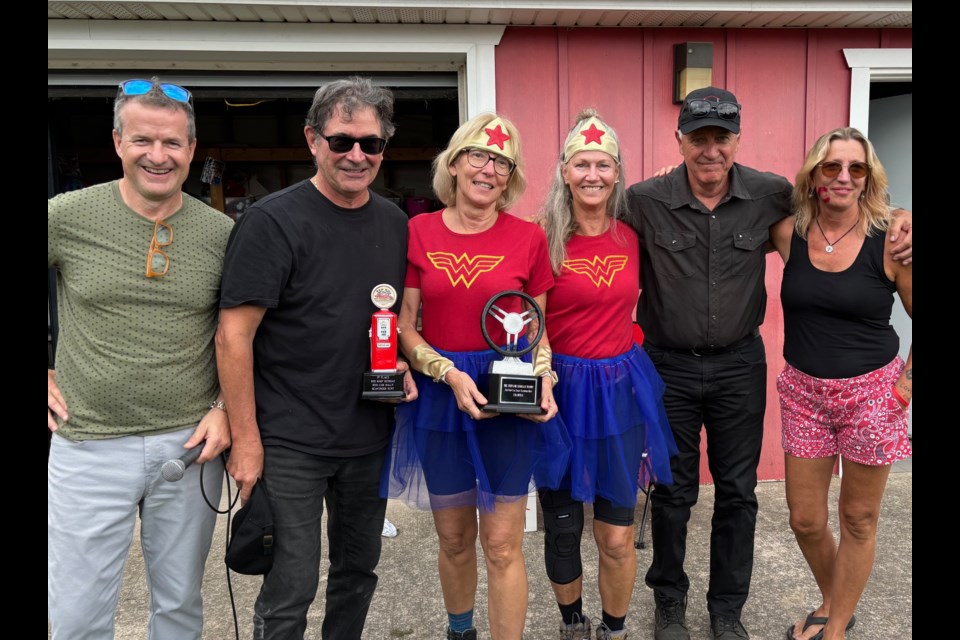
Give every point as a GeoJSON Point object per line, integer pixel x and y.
{"type": "Point", "coordinates": [493, 138]}
{"type": "Point", "coordinates": [592, 136]}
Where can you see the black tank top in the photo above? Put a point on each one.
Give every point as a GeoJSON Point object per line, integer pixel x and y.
{"type": "Point", "coordinates": [837, 325]}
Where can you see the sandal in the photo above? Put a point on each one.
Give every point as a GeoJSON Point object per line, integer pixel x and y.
{"type": "Point", "coordinates": [815, 619]}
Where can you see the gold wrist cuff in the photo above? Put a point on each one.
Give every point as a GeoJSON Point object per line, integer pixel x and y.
{"type": "Point", "coordinates": [543, 362]}
{"type": "Point", "coordinates": [427, 361]}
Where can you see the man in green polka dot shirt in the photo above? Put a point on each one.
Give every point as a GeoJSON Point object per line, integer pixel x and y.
{"type": "Point", "coordinates": [138, 277]}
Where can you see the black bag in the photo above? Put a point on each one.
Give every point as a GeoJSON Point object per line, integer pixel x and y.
{"type": "Point", "coordinates": [251, 542]}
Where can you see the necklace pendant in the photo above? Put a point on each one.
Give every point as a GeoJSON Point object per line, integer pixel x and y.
{"type": "Point", "coordinates": [829, 248]}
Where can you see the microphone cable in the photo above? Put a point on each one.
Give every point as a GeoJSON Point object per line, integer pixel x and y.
{"type": "Point", "coordinates": [231, 503]}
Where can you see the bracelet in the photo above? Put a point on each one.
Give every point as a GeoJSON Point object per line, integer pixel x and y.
{"type": "Point", "coordinates": [896, 394]}
{"type": "Point", "coordinates": [218, 404]}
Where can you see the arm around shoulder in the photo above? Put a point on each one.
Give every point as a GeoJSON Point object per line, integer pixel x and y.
{"type": "Point", "coordinates": [900, 233]}
{"type": "Point", "coordinates": [780, 236]}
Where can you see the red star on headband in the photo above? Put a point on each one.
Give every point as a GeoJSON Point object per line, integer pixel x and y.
{"type": "Point", "coordinates": [592, 134]}
{"type": "Point", "coordinates": [497, 137]}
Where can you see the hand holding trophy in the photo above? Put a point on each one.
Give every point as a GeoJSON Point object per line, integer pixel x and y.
{"type": "Point", "coordinates": [511, 383]}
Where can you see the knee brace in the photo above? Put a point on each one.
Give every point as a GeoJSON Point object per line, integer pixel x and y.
{"type": "Point", "coordinates": [563, 527]}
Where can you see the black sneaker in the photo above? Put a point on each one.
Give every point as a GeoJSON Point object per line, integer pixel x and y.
{"type": "Point", "coordinates": [469, 634]}
{"type": "Point", "coordinates": [727, 628]}
{"type": "Point", "coordinates": [670, 618]}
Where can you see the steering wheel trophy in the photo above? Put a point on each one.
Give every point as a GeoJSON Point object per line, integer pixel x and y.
{"type": "Point", "coordinates": [511, 385]}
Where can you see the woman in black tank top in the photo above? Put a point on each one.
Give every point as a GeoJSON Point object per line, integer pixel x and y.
{"type": "Point", "coordinates": [844, 390]}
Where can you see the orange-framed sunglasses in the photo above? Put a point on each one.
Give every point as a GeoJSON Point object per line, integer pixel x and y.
{"type": "Point", "coordinates": [158, 262]}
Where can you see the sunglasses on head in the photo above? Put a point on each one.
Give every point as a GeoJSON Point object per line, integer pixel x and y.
{"type": "Point", "coordinates": [703, 108]}
{"type": "Point", "coordinates": [370, 145]}
{"type": "Point", "coordinates": [833, 168]}
{"type": "Point", "coordinates": [158, 262]}
{"type": "Point", "coordinates": [143, 87]}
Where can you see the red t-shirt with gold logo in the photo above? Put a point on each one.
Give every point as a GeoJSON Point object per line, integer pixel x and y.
{"type": "Point", "coordinates": [458, 273]}
{"type": "Point", "coordinates": [590, 307]}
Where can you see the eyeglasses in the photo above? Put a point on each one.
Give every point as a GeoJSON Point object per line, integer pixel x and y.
{"type": "Point", "coordinates": [833, 168]}
{"type": "Point", "coordinates": [478, 160]}
{"type": "Point", "coordinates": [370, 145]}
{"type": "Point", "coordinates": [143, 87]}
{"type": "Point", "coordinates": [158, 262]}
{"type": "Point", "coordinates": [703, 108]}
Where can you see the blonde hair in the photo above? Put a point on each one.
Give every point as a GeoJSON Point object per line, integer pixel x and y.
{"type": "Point", "coordinates": [556, 216]}
{"type": "Point", "coordinates": [874, 201]}
{"type": "Point", "coordinates": [445, 185]}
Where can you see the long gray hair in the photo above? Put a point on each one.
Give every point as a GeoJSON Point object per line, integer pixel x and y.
{"type": "Point", "coordinates": [556, 216]}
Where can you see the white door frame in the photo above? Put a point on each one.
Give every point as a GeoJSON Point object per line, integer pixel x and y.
{"type": "Point", "coordinates": [873, 65]}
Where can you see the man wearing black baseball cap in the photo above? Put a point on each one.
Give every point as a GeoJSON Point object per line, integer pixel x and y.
{"type": "Point", "coordinates": [703, 234]}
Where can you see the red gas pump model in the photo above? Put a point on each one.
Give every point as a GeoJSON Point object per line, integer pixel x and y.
{"type": "Point", "coordinates": [383, 380]}
{"type": "Point", "coordinates": [383, 342]}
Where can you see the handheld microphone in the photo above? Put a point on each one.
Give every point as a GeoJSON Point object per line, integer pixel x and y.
{"type": "Point", "coordinates": [172, 470]}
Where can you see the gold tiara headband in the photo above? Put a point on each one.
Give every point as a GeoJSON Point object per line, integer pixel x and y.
{"type": "Point", "coordinates": [492, 138]}
{"type": "Point", "coordinates": [593, 136]}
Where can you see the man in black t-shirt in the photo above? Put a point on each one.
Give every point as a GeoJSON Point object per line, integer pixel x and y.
{"type": "Point", "coordinates": [291, 350]}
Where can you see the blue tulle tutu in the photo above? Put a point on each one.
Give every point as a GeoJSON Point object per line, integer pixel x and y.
{"type": "Point", "coordinates": [441, 457]}
{"type": "Point", "coordinates": [613, 409]}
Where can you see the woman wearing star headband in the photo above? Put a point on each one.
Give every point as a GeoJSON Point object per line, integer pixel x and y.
{"type": "Point", "coordinates": [844, 390]}
{"type": "Point", "coordinates": [448, 455]}
{"type": "Point", "coordinates": [610, 395]}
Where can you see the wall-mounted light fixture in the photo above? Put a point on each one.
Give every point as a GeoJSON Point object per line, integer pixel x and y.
{"type": "Point", "coordinates": [692, 68]}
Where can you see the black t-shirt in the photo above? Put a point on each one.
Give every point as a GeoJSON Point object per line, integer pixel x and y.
{"type": "Point", "coordinates": [313, 265]}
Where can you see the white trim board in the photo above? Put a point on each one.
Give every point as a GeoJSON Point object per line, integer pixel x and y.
{"type": "Point", "coordinates": [237, 46]}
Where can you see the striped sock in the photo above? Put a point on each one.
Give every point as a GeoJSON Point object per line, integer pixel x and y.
{"type": "Point", "coordinates": [460, 621]}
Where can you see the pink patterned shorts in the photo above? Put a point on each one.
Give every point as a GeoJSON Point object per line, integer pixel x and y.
{"type": "Point", "coordinates": [856, 417]}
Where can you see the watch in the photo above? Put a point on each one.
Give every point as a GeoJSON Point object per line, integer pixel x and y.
{"type": "Point", "coordinates": [218, 404]}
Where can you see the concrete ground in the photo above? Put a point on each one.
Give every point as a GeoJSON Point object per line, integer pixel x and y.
{"type": "Point", "coordinates": [408, 604]}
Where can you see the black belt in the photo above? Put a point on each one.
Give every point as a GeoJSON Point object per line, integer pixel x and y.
{"type": "Point", "coordinates": [711, 351]}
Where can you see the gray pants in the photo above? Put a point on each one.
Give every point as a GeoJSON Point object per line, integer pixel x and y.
{"type": "Point", "coordinates": [94, 491]}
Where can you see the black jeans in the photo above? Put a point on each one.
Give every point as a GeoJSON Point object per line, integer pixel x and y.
{"type": "Point", "coordinates": [725, 393]}
{"type": "Point", "coordinates": [298, 484]}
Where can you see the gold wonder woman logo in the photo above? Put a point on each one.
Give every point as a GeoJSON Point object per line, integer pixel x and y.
{"type": "Point", "coordinates": [462, 268]}
{"type": "Point", "coordinates": [599, 270]}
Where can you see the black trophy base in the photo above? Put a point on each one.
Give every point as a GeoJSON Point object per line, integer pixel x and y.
{"type": "Point", "coordinates": [511, 393]}
{"type": "Point", "coordinates": [377, 386]}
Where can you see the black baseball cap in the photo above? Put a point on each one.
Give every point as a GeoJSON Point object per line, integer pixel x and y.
{"type": "Point", "coordinates": [722, 110]}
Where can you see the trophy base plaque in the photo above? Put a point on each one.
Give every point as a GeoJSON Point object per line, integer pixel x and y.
{"type": "Point", "coordinates": [511, 393]}
{"type": "Point", "coordinates": [382, 385]}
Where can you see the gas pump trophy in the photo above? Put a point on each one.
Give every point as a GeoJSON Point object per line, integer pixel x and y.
{"type": "Point", "coordinates": [383, 380]}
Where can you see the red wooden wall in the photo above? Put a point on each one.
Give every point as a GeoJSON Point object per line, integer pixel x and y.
{"type": "Point", "coordinates": [794, 85]}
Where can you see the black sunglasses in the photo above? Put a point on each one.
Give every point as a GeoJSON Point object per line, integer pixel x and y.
{"type": "Point", "coordinates": [370, 145]}
{"type": "Point", "coordinates": [703, 108]}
